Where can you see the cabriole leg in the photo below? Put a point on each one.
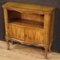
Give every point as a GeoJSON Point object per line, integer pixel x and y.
{"type": "Point", "coordinates": [8, 45]}
{"type": "Point", "coordinates": [46, 52]}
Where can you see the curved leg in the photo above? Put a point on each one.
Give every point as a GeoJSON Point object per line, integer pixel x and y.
{"type": "Point", "coordinates": [12, 41]}
{"type": "Point", "coordinates": [50, 48]}
{"type": "Point", "coordinates": [46, 51]}
{"type": "Point", "coordinates": [8, 45]}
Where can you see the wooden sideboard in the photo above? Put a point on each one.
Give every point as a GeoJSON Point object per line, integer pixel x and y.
{"type": "Point", "coordinates": [29, 24]}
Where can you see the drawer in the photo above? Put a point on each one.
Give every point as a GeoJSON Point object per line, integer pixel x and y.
{"type": "Point", "coordinates": [29, 35]}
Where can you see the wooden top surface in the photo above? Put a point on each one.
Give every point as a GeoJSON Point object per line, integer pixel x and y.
{"type": "Point", "coordinates": [28, 6]}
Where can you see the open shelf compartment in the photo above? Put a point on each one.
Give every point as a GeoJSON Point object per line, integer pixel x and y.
{"type": "Point", "coordinates": [26, 19]}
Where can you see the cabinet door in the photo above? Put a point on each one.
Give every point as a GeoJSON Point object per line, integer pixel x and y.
{"type": "Point", "coordinates": [20, 32]}
{"type": "Point", "coordinates": [13, 28]}
{"type": "Point", "coordinates": [16, 31]}
{"type": "Point", "coordinates": [39, 36]}
{"type": "Point", "coordinates": [10, 30]}
{"type": "Point", "coordinates": [29, 35]}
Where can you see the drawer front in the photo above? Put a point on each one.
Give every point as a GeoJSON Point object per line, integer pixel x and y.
{"type": "Point", "coordinates": [29, 35]}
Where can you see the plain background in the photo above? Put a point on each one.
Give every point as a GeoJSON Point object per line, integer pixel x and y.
{"type": "Point", "coordinates": [55, 3]}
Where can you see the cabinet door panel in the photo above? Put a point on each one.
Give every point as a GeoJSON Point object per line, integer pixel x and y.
{"type": "Point", "coordinates": [20, 32]}
{"type": "Point", "coordinates": [13, 27]}
{"type": "Point", "coordinates": [16, 31]}
{"type": "Point", "coordinates": [10, 30]}
{"type": "Point", "coordinates": [29, 35]}
{"type": "Point", "coordinates": [39, 36]}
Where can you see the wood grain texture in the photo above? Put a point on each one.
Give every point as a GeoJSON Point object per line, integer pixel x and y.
{"type": "Point", "coordinates": [30, 24]}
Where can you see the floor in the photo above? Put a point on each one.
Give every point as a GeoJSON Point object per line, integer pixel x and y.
{"type": "Point", "coordinates": [21, 52]}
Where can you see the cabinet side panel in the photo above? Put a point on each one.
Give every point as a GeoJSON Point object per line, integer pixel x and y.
{"type": "Point", "coordinates": [6, 22]}
{"type": "Point", "coordinates": [47, 21]}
